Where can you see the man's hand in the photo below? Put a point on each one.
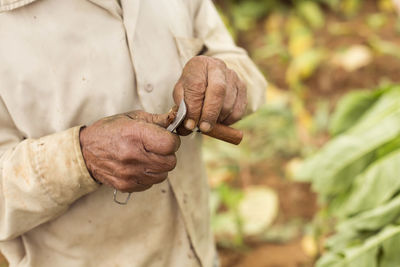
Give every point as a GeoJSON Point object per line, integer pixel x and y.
{"type": "Point", "coordinates": [131, 151]}
{"type": "Point", "coordinates": [212, 92]}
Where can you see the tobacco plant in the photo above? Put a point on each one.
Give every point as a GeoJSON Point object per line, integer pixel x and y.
{"type": "Point", "coordinates": [357, 177]}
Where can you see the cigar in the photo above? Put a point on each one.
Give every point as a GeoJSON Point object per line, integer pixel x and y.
{"type": "Point", "coordinates": [220, 131]}
{"type": "Point", "coordinates": [226, 133]}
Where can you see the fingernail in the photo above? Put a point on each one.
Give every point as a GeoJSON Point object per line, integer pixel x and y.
{"type": "Point", "coordinates": [205, 127]}
{"type": "Point", "coordinates": [190, 124]}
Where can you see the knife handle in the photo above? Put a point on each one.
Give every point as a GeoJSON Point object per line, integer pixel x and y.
{"type": "Point", "coordinates": [226, 133]}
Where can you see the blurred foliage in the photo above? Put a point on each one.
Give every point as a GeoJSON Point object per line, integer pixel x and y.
{"type": "Point", "coordinates": [288, 30]}
{"type": "Point", "coordinates": [270, 136]}
{"type": "Point", "coordinates": [291, 41]}
{"type": "Point", "coordinates": [357, 177]}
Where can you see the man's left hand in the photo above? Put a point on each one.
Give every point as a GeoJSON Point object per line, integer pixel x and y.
{"type": "Point", "coordinates": [213, 94]}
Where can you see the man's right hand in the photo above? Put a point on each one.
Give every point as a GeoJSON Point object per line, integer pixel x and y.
{"type": "Point", "coordinates": [131, 151]}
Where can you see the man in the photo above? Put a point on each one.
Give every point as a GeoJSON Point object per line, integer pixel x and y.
{"type": "Point", "coordinates": [67, 64]}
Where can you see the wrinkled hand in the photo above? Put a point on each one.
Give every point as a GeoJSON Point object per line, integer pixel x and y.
{"type": "Point", "coordinates": [130, 152]}
{"type": "Point", "coordinates": [212, 92]}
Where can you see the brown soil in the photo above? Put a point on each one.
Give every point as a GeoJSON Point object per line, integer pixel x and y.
{"type": "Point", "coordinates": [296, 200]}
{"type": "Point", "coordinates": [267, 255]}
{"type": "Point", "coordinates": [333, 82]}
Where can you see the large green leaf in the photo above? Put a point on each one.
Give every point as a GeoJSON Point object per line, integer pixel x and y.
{"type": "Point", "coordinates": [333, 169]}
{"type": "Point", "coordinates": [358, 174]}
{"type": "Point", "coordinates": [355, 257]}
{"type": "Point", "coordinates": [345, 238]}
{"type": "Point", "coordinates": [351, 108]}
{"type": "Point", "coordinates": [363, 255]}
{"type": "Point", "coordinates": [381, 180]}
{"type": "Point", "coordinates": [373, 219]}
{"type": "Point", "coordinates": [387, 105]}
{"type": "Point", "coordinates": [390, 250]}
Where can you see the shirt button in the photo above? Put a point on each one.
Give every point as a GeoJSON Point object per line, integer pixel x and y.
{"type": "Point", "coordinates": [149, 88]}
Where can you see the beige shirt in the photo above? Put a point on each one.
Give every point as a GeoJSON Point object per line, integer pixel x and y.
{"type": "Point", "coordinates": [68, 63]}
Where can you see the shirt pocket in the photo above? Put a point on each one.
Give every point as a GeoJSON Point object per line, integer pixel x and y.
{"type": "Point", "coordinates": [8, 5]}
{"type": "Point", "coordinates": [189, 47]}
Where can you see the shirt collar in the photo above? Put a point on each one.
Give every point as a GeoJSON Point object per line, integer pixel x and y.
{"type": "Point", "coordinates": [8, 5]}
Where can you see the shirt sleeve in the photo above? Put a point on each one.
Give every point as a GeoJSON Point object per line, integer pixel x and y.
{"type": "Point", "coordinates": [210, 28]}
{"type": "Point", "coordinates": [39, 178]}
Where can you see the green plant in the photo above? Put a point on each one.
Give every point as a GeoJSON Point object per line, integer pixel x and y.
{"type": "Point", "coordinates": [357, 176]}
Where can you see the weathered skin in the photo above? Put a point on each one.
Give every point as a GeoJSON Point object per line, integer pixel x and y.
{"type": "Point", "coordinates": [131, 151]}
{"type": "Point", "coordinates": [213, 93]}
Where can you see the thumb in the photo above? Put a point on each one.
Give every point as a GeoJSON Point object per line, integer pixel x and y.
{"type": "Point", "coordinates": [162, 120]}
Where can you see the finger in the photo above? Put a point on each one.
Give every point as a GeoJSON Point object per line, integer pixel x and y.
{"type": "Point", "coordinates": [240, 106]}
{"type": "Point", "coordinates": [122, 184]}
{"type": "Point", "coordinates": [105, 166]}
{"type": "Point", "coordinates": [157, 163]}
{"type": "Point", "coordinates": [194, 88]}
{"type": "Point", "coordinates": [231, 95]}
{"type": "Point", "coordinates": [178, 93]}
{"type": "Point", "coordinates": [158, 140]}
{"type": "Point", "coordinates": [214, 96]}
{"type": "Point", "coordinates": [131, 186]}
{"type": "Point", "coordinates": [161, 120]}
{"type": "Point", "coordinates": [151, 178]}
{"type": "Point", "coordinates": [125, 177]}
{"type": "Point", "coordinates": [142, 175]}
{"type": "Point", "coordinates": [182, 131]}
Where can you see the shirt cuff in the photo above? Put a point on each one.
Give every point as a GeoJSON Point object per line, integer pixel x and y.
{"type": "Point", "coordinates": [61, 168]}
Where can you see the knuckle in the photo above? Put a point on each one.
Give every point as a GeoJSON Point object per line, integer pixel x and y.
{"type": "Point", "coordinates": [125, 174]}
{"type": "Point", "coordinates": [173, 142]}
{"type": "Point", "coordinates": [195, 62]}
{"type": "Point", "coordinates": [166, 141]}
{"type": "Point", "coordinates": [239, 81]}
{"type": "Point", "coordinates": [124, 154]}
{"type": "Point", "coordinates": [123, 186]}
{"type": "Point", "coordinates": [245, 103]}
{"type": "Point", "coordinates": [195, 87]}
{"type": "Point", "coordinates": [211, 116]}
{"type": "Point", "coordinates": [154, 178]}
{"type": "Point", "coordinates": [161, 178]}
{"type": "Point", "coordinates": [233, 75]}
{"type": "Point", "coordinates": [219, 62]}
{"type": "Point", "coordinates": [200, 58]}
{"type": "Point", "coordinates": [235, 117]}
{"type": "Point", "coordinates": [219, 88]}
{"type": "Point", "coordinates": [226, 109]}
{"type": "Point", "coordinates": [171, 162]}
{"type": "Point", "coordinates": [242, 86]}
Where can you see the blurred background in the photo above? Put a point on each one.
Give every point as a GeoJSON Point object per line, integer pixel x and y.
{"type": "Point", "coordinates": [313, 53]}
{"type": "Point", "coordinates": [328, 62]}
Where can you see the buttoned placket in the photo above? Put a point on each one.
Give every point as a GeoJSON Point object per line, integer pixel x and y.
{"type": "Point", "coordinates": [128, 13]}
